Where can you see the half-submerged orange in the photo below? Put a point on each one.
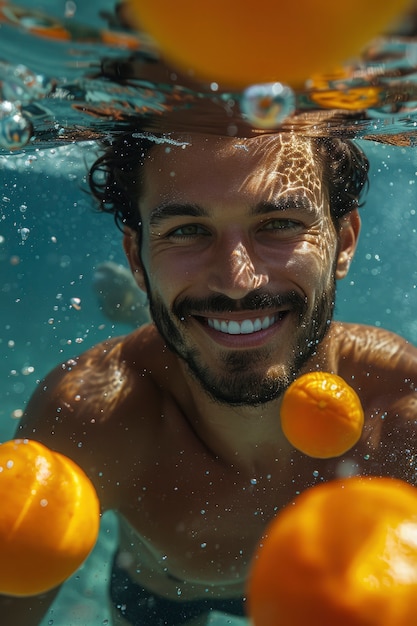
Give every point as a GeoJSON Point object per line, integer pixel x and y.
{"type": "Point", "coordinates": [238, 42]}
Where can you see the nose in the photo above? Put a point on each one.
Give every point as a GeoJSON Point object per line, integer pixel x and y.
{"type": "Point", "coordinates": [234, 273]}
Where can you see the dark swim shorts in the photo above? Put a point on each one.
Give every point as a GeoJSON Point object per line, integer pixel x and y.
{"type": "Point", "coordinates": [141, 607]}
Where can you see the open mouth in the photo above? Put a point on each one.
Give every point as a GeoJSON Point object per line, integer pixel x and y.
{"type": "Point", "coordinates": [245, 326]}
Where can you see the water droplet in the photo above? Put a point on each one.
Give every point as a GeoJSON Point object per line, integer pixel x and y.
{"type": "Point", "coordinates": [267, 105]}
{"type": "Point", "coordinates": [253, 481]}
{"type": "Point", "coordinates": [76, 303]}
{"type": "Point", "coordinates": [24, 233]}
{"type": "Point", "coordinates": [15, 128]}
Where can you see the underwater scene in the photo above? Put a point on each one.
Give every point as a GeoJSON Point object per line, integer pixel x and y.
{"type": "Point", "coordinates": [63, 272]}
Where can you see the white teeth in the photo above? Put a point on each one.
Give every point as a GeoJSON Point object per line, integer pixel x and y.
{"type": "Point", "coordinates": [233, 328]}
{"type": "Point", "coordinates": [246, 327]}
{"type": "Point", "coordinates": [266, 323]}
{"type": "Point", "coordinates": [257, 325]}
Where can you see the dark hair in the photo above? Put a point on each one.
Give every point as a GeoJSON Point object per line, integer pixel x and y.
{"type": "Point", "coordinates": [115, 178]}
{"type": "Point", "coordinates": [345, 171]}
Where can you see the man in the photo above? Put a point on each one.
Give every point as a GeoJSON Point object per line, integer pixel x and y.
{"type": "Point", "coordinates": [238, 244]}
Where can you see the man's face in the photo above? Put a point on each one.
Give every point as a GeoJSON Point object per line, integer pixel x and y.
{"type": "Point", "coordinates": [238, 257]}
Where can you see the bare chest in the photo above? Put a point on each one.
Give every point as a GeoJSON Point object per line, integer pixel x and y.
{"type": "Point", "coordinates": [201, 522]}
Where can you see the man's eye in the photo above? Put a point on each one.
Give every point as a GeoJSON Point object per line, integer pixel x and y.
{"type": "Point", "coordinates": [281, 224]}
{"type": "Point", "coordinates": [189, 230]}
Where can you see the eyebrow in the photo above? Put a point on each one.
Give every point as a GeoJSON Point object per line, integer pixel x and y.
{"type": "Point", "coordinates": [169, 210]}
{"type": "Point", "coordinates": [165, 211]}
{"type": "Point", "coordinates": [282, 204]}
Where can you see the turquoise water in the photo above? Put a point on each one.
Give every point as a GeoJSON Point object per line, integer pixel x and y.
{"type": "Point", "coordinates": [55, 261]}
{"type": "Point", "coordinates": [51, 241]}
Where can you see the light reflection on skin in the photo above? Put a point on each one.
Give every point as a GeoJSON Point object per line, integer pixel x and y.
{"type": "Point", "coordinates": [222, 221]}
{"type": "Point", "coordinates": [107, 384]}
{"type": "Point", "coordinates": [244, 270]}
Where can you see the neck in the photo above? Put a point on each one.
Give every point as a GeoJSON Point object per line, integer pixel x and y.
{"type": "Point", "coordinates": [245, 437]}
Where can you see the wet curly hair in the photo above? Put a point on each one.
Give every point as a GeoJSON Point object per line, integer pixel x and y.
{"type": "Point", "coordinates": [115, 179]}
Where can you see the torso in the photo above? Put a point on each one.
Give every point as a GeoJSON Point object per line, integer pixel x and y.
{"type": "Point", "coordinates": [189, 520]}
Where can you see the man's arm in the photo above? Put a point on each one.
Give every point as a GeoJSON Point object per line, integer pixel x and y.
{"type": "Point", "coordinates": [40, 423]}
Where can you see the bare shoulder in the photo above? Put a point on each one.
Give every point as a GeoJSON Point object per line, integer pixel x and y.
{"type": "Point", "coordinates": [375, 350]}
{"type": "Point", "coordinates": [94, 408]}
{"type": "Point", "coordinates": [382, 368]}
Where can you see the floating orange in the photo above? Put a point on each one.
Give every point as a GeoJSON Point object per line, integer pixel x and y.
{"type": "Point", "coordinates": [321, 415]}
{"type": "Point", "coordinates": [49, 517]}
{"type": "Point", "coordinates": [343, 554]}
{"type": "Point", "coordinates": [238, 42]}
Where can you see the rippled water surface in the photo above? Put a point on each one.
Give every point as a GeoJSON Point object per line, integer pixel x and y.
{"type": "Point", "coordinates": [72, 71]}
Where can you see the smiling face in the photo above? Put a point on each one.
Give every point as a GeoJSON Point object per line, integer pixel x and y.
{"type": "Point", "coordinates": [239, 257]}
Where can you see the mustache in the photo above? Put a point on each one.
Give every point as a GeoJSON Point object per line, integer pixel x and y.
{"type": "Point", "coordinates": [255, 301]}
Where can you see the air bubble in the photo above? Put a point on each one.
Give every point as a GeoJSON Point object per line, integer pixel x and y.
{"type": "Point", "coordinates": [76, 303]}
{"type": "Point", "coordinates": [24, 233]}
{"type": "Point", "coordinates": [15, 128]}
{"type": "Point", "coordinates": [267, 105]}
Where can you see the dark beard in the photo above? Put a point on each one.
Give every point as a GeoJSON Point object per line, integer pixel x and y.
{"type": "Point", "coordinates": [240, 386]}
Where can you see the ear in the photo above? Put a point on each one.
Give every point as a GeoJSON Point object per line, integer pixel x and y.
{"type": "Point", "coordinates": [348, 235]}
{"type": "Point", "coordinates": [131, 248]}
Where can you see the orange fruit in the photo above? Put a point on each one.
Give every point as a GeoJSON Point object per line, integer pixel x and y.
{"type": "Point", "coordinates": [321, 415]}
{"type": "Point", "coordinates": [49, 517]}
{"type": "Point", "coordinates": [238, 42]}
{"type": "Point", "coordinates": [343, 554]}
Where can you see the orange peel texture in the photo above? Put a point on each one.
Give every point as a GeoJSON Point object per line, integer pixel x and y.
{"type": "Point", "coordinates": [344, 553]}
{"type": "Point", "coordinates": [49, 518]}
{"type": "Point", "coordinates": [321, 415]}
{"type": "Point", "coordinates": [237, 43]}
